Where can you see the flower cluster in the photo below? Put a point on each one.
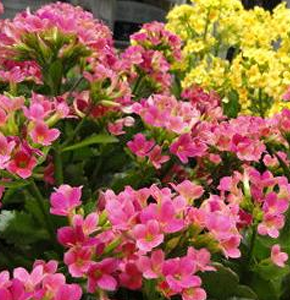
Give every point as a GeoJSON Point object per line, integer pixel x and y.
{"type": "Point", "coordinates": [163, 187]}
{"type": "Point", "coordinates": [42, 283]}
{"type": "Point", "coordinates": [231, 49]}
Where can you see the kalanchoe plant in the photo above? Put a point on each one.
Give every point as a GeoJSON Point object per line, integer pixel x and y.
{"type": "Point", "coordinates": [117, 183]}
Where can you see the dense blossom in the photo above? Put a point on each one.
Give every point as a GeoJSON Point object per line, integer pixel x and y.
{"type": "Point", "coordinates": [163, 187]}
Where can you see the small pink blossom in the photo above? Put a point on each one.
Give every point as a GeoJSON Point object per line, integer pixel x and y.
{"type": "Point", "coordinates": [6, 148]}
{"type": "Point", "coordinates": [78, 260]}
{"type": "Point", "coordinates": [148, 236]}
{"type": "Point", "coordinates": [100, 275]}
{"type": "Point", "coordinates": [277, 256]}
{"type": "Point", "coordinates": [185, 147]}
{"type": "Point", "coordinates": [156, 158]}
{"type": "Point", "coordinates": [41, 134]}
{"type": "Point", "coordinates": [65, 199]}
{"type": "Point", "coordinates": [140, 146]}
{"type": "Point", "coordinates": [22, 163]}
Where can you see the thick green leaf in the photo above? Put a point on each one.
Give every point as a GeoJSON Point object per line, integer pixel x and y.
{"type": "Point", "coordinates": [224, 284]}
{"type": "Point", "coordinates": [264, 288]}
{"type": "Point", "coordinates": [94, 139]}
{"type": "Point", "coordinates": [269, 271]}
{"type": "Point", "coordinates": [20, 228]}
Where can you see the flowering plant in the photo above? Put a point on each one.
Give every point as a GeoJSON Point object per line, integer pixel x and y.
{"type": "Point", "coordinates": [116, 182]}
{"type": "Point", "coordinates": [242, 54]}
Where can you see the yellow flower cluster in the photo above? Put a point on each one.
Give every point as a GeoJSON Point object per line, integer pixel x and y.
{"type": "Point", "coordinates": [258, 71]}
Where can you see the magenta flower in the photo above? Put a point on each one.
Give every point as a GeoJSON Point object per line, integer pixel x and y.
{"type": "Point", "coordinates": [156, 157]}
{"type": "Point", "coordinates": [148, 236]}
{"type": "Point", "coordinates": [140, 146]}
{"type": "Point", "coordinates": [41, 134]}
{"type": "Point", "coordinates": [278, 257]}
{"type": "Point", "coordinates": [185, 146]}
{"type": "Point", "coordinates": [100, 275]}
{"type": "Point", "coordinates": [65, 199]}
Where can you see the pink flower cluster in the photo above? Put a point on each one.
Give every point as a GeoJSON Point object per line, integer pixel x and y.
{"type": "Point", "coordinates": [21, 142]}
{"type": "Point", "coordinates": [119, 245]}
{"type": "Point", "coordinates": [154, 49]}
{"type": "Point", "coordinates": [43, 283]}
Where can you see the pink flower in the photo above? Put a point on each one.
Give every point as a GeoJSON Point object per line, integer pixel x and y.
{"type": "Point", "coordinates": [69, 291]}
{"type": "Point", "coordinates": [100, 275]}
{"type": "Point", "coordinates": [148, 236]}
{"type": "Point", "coordinates": [79, 232]}
{"type": "Point", "coordinates": [271, 225]}
{"type": "Point", "coordinates": [247, 149]}
{"type": "Point", "coordinates": [41, 134]}
{"type": "Point", "coordinates": [189, 190]}
{"type": "Point", "coordinates": [22, 164]}
{"type": "Point", "coordinates": [78, 260]}
{"type": "Point", "coordinates": [152, 267]}
{"type": "Point", "coordinates": [201, 258]}
{"type": "Point", "coordinates": [30, 281]}
{"type": "Point", "coordinates": [278, 257]}
{"type": "Point", "coordinates": [140, 146]}
{"type": "Point", "coordinates": [194, 293]}
{"type": "Point", "coordinates": [65, 199]}
{"type": "Point", "coordinates": [6, 148]}
{"type": "Point", "coordinates": [179, 274]}
{"type": "Point", "coordinates": [131, 277]}
{"type": "Point", "coordinates": [186, 147]}
{"type": "Point", "coordinates": [156, 158]}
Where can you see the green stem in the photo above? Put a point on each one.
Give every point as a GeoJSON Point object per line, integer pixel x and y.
{"type": "Point", "coordinates": [206, 26]}
{"type": "Point", "coordinates": [58, 168]}
{"type": "Point", "coordinates": [40, 201]}
{"type": "Point", "coordinates": [252, 244]}
{"type": "Point", "coordinates": [261, 109]}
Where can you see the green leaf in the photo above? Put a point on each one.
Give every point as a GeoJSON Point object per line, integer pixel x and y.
{"type": "Point", "coordinates": [263, 288]}
{"type": "Point", "coordinates": [5, 218]}
{"type": "Point", "coordinates": [14, 184]}
{"type": "Point", "coordinates": [21, 229]}
{"type": "Point", "coordinates": [270, 271]}
{"type": "Point", "coordinates": [231, 105]}
{"type": "Point", "coordinates": [224, 284]}
{"type": "Point", "coordinates": [94, 139]}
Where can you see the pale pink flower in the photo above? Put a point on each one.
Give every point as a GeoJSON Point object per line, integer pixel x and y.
{"type": "Point", "coordinates": [189, 190]}
{"type": "Point", "coordinates": [30, 281]}
{"type": "Point", "coordinates": [277, 256]}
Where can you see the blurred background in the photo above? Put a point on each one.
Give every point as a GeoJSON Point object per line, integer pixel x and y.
{"type": "Point", "coordinates": [123, 16]}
